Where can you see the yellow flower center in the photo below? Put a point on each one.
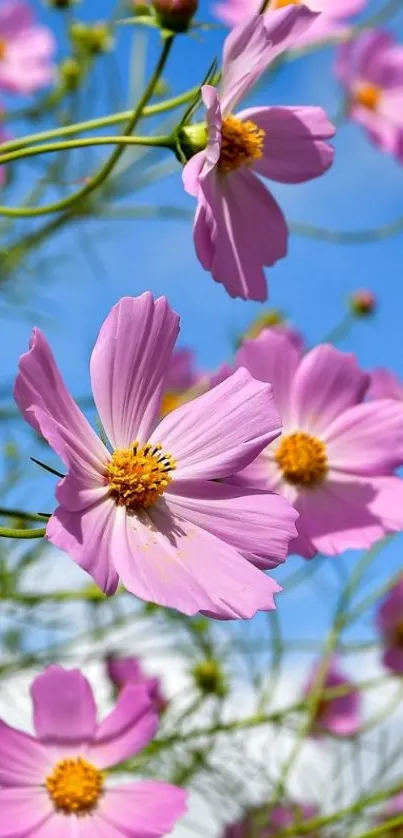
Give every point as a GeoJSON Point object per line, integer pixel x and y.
{"type": "Point", "coordinates": [75, 786]}
{"type": "Point", "coordinates": [281, 4]}
{"type": "Point", "coordinates": [138, 475]}
{"type": "Point", "coordinates": [368, 95]}
{"type": "Point", "coordinates": [302, 459]}
{"type": "Point", "coordinates": [3, 48]}
{"type": "Point", "coordinates": [241, 143]}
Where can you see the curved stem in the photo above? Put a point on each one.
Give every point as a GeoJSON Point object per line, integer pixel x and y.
{"type": "Point", "coordinates": [164, 141]}
{"type": "Point", "coordinates": [23, 516]}
{"type": "Point", "coordinates": [6, 532]}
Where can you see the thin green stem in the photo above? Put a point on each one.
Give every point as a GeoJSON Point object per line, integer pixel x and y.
{"type": "Point", "coordinates": [23, 516]}
{"type": "Point", "coordinates": [6, 532]}
{"type": "Point", "coordinates": [164, 141]}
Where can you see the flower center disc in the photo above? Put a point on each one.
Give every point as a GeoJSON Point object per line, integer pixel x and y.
{"type": "Point", "coordinates": [241, 143]}
{"type": "Point", "coordinates": [302, 459]}
{"type": "Point", "coordinates": [75, 786]}
{"type": "Point", "coordinates": [281, 4]}
{"type": "Point", "coordinates": [137, 476]}
{"type": "Point", "coordinates": [3, 48]}
{"type": "Point", "coordinates": [368, 96]}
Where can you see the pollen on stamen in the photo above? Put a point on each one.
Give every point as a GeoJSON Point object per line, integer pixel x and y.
{"type": "Point", "coordinates": [139, 475]}
{"type": "Point", "coordinates": [281, 4]}
{"type": "Point", "coordinates": [368, 95]}
{"type": "Point", "coordinates": [302, 459]}
{"type": "Point", "coordinates": [75, 786]}
{"type": "Point", "coordinates": [241, 143]}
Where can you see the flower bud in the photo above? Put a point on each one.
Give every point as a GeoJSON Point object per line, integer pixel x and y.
{"type": "Point", "coordinates": [91, 39]}
{"type": "Point", "coordinates": [175, 15]}
{"type": "Point", "coordinates": [209, 678]}
{"type": "Point", "coordinates": [192, 138]}
{"type": "Point", "coordinates": [61, 4]}
{"type": "Point", "coordinates": [363, 303]}
{"type": "Point", "coordinates": [269, 318]}
{"type": "Point", "coordinates": [70, 73]}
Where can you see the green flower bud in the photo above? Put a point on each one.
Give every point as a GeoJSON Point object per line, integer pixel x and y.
{"type": "Point", "coordinates": [209, 678]}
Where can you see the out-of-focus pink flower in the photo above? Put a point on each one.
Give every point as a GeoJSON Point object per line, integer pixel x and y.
{"type": "Point", "coordinates": [332, 18]}
{"type": "Point", "coordinates": [54, 783]}
{"type": "Point", "coordinates": [339, 716]}
{"type": "Point", "coordinates": [389, 621]}
{"type": "Point", "coordinates": [264, 822]}
{"type": "Point", "coordinates": [273, 319]}
{"type": "Point", "coordinates": [155, 512]}
{"type": "Point", "coordinates": [128, 670]}
{"type": "Point", "coordinates": [393, 809]}
{"type": "Point", "coordinates": [363, 303]}
{"type": "Point", "coordinates": [238, 226]}
{"type": "Point", "coordinates": [181, 376]}
{"type": "Point", "coordinates": [385, 385]}
{"type": "Point", "coordinates": [26, 49]}
{"type": "Point", "coordinates": [336, 458]}
{"type": "Point", "coordinates": [371, 71]}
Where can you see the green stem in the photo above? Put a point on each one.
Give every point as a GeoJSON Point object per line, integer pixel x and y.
{"type": "Point", "coordinates": [23, 516]}
{"type": "Point", "coordinates": [62, 145]}
{"type": "Point", "coordinates": [6, 532]}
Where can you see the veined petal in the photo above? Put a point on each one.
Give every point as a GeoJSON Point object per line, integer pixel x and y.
{"type": "Point", "coordinates": [85, 535]}
{"type": "Point", "coordinates": [23, 760]}
{"type": "Point", "coordinates": [272, 357]}
{"type": "Point", "coordinates": [222, 430]}
{"type": "Point", "coordinates": [294, 150]}
{"type": "Point", "coordinates": [367, 439]}
{"type": "Point", "coordinates": [64, 707]}
{"type": "Point", "coordinates": [255, 523]}
{"type": "Point", "coordinates": [126, 729]}
{"type": "Point", "coordinates": [128, 366]}
{"type": "Point", "coordinates": [23, 810]}
{"type": "Point", "coordinates": [165, 559]}
{"type": "Point", "coordinates": [145, 809]}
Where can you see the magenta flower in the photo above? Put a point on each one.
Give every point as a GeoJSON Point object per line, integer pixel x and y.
{"type": "Point", "coordinates": [339, 716]}
{"type": "Point", "coordinates": [264, 822]}
{"type": "Point", "coordinates": [54, 784]}
{"type": "Point", "coordinates": [123, 671]}
{"type": "Point", "coordinates": [332, 19]}
{"type": "Point", "coordinates": [389, 621]}
{"type": "Point", "coordinates": [150, 512]}
{"type": "Point", "coordinates": [371, 71]}
{"type": "Point", "coordinates": [26, 49]}
{"type": "Point", "coordinates": [239, 226]}
{"type": "Point", "coordinates": [336, 458]}
{"type": "Point", "coordinates": [385, 385]}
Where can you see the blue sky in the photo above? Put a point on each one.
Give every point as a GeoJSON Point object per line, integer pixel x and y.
{"type": "Point", "coordinates": [87, 269]}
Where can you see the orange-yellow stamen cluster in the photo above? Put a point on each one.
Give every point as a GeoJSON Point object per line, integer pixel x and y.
{"type": "Point", "coordinates": [281, 4]}
{"type": "Point", "coordinates": [138, 475]}
{"type": "Point", "coordinates": [75, 786]}
{"type": "Point", "coordinates": [3, 48]}
{"type": "Point", "coordinates": [302, 459]}
{"type": "Point", "coordinates": [241, 143]}
{"type": "Point", "coordinates": [368, 95]}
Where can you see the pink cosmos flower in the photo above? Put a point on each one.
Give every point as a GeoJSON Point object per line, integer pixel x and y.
{"type": "Point", "coordinates": [389, 621]}
{"type": "Point", "coordinates": [128, 670]}
{"type": "Point", "coordinates": [26, 49]}
{"type": "Point", "coordinates": [265, 822]}
{"type": "Point", "coordinates": [180, 377]}
{"type": "Point", "coordinates": [332, 19]}
{"type": "Point", "coordinates": [54, 784]}
{"type": "Point", "coordinates": [371, 71]}
{"type": "Point", "coordinates": [339, 716]}
{"type": "Point", "coordinates": [150, 512]}
{"type": "Point", "coordinates": [238, 226]}
{"type": "Point", "coordinates": [336, 458]}
{"type": "Point", "coordinates": [385, 385]}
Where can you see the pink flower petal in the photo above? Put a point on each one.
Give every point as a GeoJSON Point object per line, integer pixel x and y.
{"type": "Point", "coordinates": [391, 610]}
{"type": "Point", "coordinates": [245, 421]}
{"type": "Point", "coordinates": [86, 536]}
{"type": "Point", "coordinates": [174, 563]}
{"type": "Point", "coordinates": [393, 660]}
{"type": "Point", "coordinates": [126, 730]}
{"type": "Point", "coordinates": [294, 150]}
{"type": "Point", "coordinates": [272, 357]}
{"type": "Point", "coordinates": [253, 522]}
{"type": "Point", "coordinates": [327, 383]}
{"type": "Point", "coordinates": [385, 385]}
{"type": "Point", "coordinates": [46, 404]}
{"type": "Point", "coordinates": [191, 173]}
{"type": "Point", "coordinates": [64, 707]}
{"type": "Point", "coordinates": [23, 810]}
{"type": "Point", "coordinates": [15, 16]}
{"type": "Point", "coordinates": [367, 438]}
{"type": "Point", "coordinates": [23, 760]}
{"type": "Point", "coordinates": [128, 366]}
{"type": "Point", "coordinates": [252, 46]}
{"type": "Point", "coordinates": [144, 809]}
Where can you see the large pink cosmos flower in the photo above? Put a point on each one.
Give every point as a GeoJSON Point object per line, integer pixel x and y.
{"type": "Point", "coordinates": [389, 621]}
{"type": "Point", "coordinates": [332, 19]}
{"type": "Point", "coordinates": [371, 71]}
{"type": "Point", "coordinates": [150, 511]}
{"type": "Point", "coordinates": [265, 822]}
{"type": "Point", "coordinates": [339, 716]}
{"type": "Point", "coordinates": [239, 227]}
{"type": "Point", "coordinates": [26, 49]}
{"type": "Point", "coordinates": [128, 670]}
{"type": "Point", "coordinates": [54, 784]}
{"type": "Point", "coordinates": [336, 457]}
{"type": "Point", "coordinates": [385, 385]}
